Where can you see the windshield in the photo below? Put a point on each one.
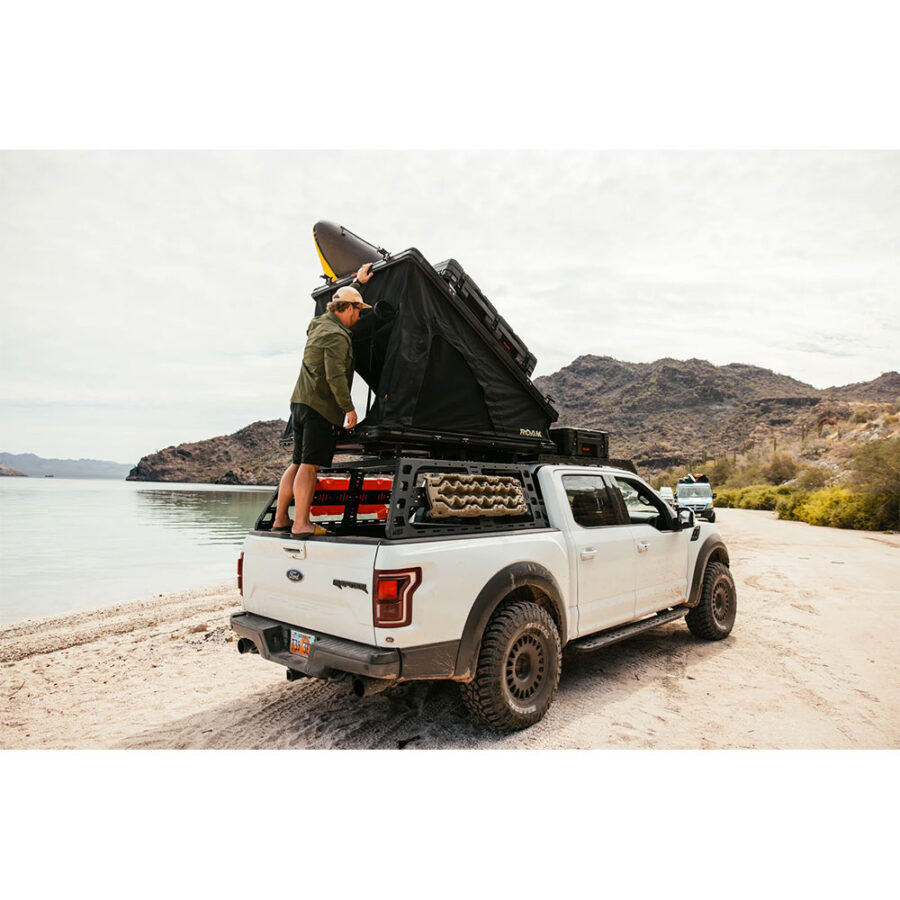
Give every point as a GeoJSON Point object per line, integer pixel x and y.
{"type": "Point", "coordinates": [694, 490]}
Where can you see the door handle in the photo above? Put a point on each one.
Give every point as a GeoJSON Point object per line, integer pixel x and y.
{"type": "Point", "coordinates": [643, 546]}
{"type": "Point", "coordinates": [588, 553]}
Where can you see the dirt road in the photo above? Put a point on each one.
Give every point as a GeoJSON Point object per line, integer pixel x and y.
{"type": "Point", "coordinates": [812, 663]}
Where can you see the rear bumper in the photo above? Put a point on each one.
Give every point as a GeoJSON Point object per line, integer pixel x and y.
{"type": "Point", "coordinates": [327, 655]}
{"type": "Point", "coordinates": [330, 655]}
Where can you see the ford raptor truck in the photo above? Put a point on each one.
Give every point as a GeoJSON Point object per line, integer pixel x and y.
{"type": "Point", "coordinates": [482, 573]}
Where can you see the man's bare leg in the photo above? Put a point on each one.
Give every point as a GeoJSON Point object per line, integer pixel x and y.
{"type": "Point", "coordinates": [304, 489]}
{"type": "Point", "coordinates": [285, 494]}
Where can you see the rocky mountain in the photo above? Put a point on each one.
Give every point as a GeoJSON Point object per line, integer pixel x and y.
{"type": "Point", "coordinates": [38, 466]}
{"type": "Point", "coordinates": [885, 388]}
{"type": "Point", "coordinates": [665, 413]}
{"type": "Point", "coordinates": [670, 412]}
{"type": "Point", "coordinates": [9, 471]}
{"type": "Point", "coordinates": [249, 456]}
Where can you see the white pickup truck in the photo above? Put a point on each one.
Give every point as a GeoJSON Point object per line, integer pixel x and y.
{"type": "Point", "coordinates": [407, 588]}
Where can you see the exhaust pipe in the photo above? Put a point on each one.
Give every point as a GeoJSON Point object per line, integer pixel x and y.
{"type": "Point", "coordinates": [245, 645]}
{"type": "Point", "coordinates": [365, 687]}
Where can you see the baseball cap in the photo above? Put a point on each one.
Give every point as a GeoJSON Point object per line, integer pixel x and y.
{"type": "Point", "coordinates": [352, 296]}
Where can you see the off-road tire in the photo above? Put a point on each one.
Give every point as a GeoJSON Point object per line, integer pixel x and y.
{"type": "Point", "coordinates": [518, 668]}
{"type": "Point", "coordinates": [712, 518]}
{"type": "Point", "coordinates": [713, 617]}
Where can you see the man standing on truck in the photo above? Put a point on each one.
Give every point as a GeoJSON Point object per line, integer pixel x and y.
{"type": "Point", "coordinates": [320, 401]}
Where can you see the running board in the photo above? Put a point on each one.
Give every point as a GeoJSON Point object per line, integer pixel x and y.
{"type": "Point", "coordinates": [605, 638]}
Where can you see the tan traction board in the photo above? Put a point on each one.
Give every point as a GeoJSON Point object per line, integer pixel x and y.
{"type": "Point", "coordinates": [474, 495]}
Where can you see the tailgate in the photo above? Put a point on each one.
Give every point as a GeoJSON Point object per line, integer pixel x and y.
{"type": "Point", "coordinates": [319, 585]}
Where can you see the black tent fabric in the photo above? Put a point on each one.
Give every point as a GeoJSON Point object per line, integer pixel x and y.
{"type": "Point", "coordinates": [432, 365]}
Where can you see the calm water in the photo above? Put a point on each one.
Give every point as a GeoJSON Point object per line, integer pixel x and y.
{"type": "Point", "coordinates": [68, 545]}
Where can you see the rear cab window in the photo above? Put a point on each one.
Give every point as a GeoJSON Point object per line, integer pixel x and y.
{"type": "Point", "coordinates": [591, 501]}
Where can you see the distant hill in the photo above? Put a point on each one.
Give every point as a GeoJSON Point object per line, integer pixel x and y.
{"type": "Point", "coordinates": [884, 388]}
{"type": "Point", "coordinates": [37, 466]}
{"type": "Point", "coordinates": [9, 471]}
{"type": "Point", "coordinates": [664, 413]}
{"type": "Point", "coordinates": [249, 456]}
{"type": "Point", "coordinates": [670, 412]}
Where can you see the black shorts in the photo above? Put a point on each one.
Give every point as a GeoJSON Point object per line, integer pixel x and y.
{"type": "Point", "coordinates": [314, 436]}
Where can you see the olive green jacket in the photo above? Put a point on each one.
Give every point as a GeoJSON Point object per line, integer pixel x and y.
{"type": "Point", "coordinates": [327, 371]}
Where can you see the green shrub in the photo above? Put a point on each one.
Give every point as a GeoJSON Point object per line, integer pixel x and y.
{"type": "Point", "coordinates": [727, 497]}
{"type": "Point", "coordinates": [668, 476]}
{"type": "Point", "coordinates": [843, 508]}
{"type": "Point", "coordinates": [757, 496]}
{"type": "Point", "coordinates": [749, 475]}
{"type": "Point", "coordinates": [813, 478]}
{"type": "Point", "coordinates": [787, 505]}
{"type": "Point", "coordinates": [876, 467]}
{"type": "Point", "coordinates": [781, 468]}
{"type": "Point", "coordinates": [720, 471]}
{"type": "Point", "coordinates": [832, 506]}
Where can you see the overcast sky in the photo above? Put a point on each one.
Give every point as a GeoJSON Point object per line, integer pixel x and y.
{"type": "Point", "coordinates": [152, 298]}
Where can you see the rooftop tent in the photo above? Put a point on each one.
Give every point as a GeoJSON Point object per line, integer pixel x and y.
{"type": "Point", "coordinates": [436, 372]}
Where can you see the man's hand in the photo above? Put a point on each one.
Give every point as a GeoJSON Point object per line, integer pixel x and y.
{"type": "Point", "coordinates": [364, 273]}
{"type": "Point", "coordinates": [351, 416]}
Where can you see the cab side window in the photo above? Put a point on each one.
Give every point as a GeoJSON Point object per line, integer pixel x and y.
{"type": "Point", "coordinates": [643, 507]}
{"type": "Point", "coordinates": [590, 501]}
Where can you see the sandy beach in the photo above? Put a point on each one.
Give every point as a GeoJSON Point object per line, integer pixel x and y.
{"type": "Point", "coordinates": [812, 663]}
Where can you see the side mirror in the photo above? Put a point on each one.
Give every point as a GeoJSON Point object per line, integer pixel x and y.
{"type": "Point", "coordinates": [685, 518]}
{"type": "Point", "coordinates": [714, 495]}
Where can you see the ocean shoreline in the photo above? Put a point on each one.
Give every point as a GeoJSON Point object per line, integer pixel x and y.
{"type": "Point", "coordinates": [45, 634]}
{"type": "Point", "coordinates": [73, 545]}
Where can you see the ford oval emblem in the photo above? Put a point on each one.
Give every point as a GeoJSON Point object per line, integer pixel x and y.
{"type": "Point", "coordinates": [294, 575]}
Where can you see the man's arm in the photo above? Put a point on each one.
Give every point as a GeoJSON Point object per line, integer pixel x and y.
{"type": "Point", "coordinates": [362, 276]}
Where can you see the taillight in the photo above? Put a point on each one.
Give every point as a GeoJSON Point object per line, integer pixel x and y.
{"type": "Point", "coordinates": [241, 574]}
{"type": "Point", "coordinates": [393, 595]}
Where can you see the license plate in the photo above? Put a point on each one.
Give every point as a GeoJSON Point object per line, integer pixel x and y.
{"type": "Point", "coordinates": [301, 642]}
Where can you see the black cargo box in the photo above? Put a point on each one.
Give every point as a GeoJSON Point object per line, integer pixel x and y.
{"type": "Point", "coordinates": [465, 288]}
{"type": "Point", "coordinates": [581, 442]}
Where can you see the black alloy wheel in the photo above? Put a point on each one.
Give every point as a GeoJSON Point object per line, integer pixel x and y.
{"type": "Point", "coordinates": [526, 668]}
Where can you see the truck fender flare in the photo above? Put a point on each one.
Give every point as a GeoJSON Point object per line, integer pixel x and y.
{"type": "Point", "coordinates": [711, 550]}
{"type": "Point", "coordinates": [512, 578]}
